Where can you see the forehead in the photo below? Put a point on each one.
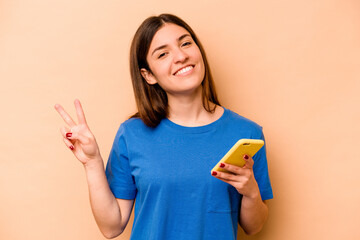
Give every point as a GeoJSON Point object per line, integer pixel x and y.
{"type": "Point", "coordinates": [167, 34]}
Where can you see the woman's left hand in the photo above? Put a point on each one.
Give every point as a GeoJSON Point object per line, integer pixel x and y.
{"type": "Point", "coordinates": [242, 178]}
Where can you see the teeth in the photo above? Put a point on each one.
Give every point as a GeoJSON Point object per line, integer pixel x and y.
{"type": "Point", "coordinates": [184, 70]}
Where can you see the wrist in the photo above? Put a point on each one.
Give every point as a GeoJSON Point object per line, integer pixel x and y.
{"type": "Point", "coordinates": [253, 193]}
{"type": "Point", "coordinates": [94, 163]}
{"type": "Point", "coordinates": [255, 196]}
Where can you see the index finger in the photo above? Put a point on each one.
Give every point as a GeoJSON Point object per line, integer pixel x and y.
{"type": "Point", "coordinates": [65, 115]}
{"type": "Point", "coordinates": [79, 112]}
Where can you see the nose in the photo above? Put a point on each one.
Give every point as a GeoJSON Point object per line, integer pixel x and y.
{"type": "Point", "coordinates": [180, 56]}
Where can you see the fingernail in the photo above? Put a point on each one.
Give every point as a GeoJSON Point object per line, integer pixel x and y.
{"type": "Point", "coordinates": [246, 157]}
{"type": "Point", "coordinates": [222, 165]}
{"type": "Point", "coordinates": [72, 147]}
{"type": "Point", "coordinates": [214, 173]}
{"type": "Point", "coordinates": [68, 135]}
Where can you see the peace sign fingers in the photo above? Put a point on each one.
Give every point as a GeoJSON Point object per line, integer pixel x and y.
{"type": "Point", "coordinates": [79, 112]}
{"type": "Point", "coordinates": [77, 136]}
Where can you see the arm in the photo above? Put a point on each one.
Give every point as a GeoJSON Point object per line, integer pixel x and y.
{"type": "Point", "coordinates": [254, 211]}
{"type": "Point", "coordinates": [253, 214]}
{"type": "Point", "coordinates": [111, 214]}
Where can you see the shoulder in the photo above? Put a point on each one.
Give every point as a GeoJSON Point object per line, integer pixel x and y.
{"type": "Point", "coordinates": [133, 126]}
{"type": "Point", "coordinates": [243, 123]}
{"type": "Point", "coordinates": [133, 122]}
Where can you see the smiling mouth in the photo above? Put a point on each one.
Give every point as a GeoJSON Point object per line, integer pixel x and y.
{"type": "Point", "coordinates": [184, 70]}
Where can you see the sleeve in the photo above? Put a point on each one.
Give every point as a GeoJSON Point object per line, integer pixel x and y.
{"type": "Point", "coordinates": [118, 171]}
{"type": "Point", "coordinates": [261, 172]}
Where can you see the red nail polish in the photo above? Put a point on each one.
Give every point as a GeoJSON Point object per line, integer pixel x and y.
{"type": "Point", "coordinates": [214, 173]}
{"type": "Point", "coordinates": [246, 157]}
{"type": "Point", "coordinates": [72, 147]}
{"type": "Point", "coordinates": [222, 165]}
{"type": "Point", "coordinates": [68, 135]}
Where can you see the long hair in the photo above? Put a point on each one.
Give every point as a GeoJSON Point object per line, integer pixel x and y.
{"type": "Point", "coordinates": [151, 100]}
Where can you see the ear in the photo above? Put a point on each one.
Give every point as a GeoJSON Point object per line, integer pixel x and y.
{"type": "Point", "coordinates": [148, 76]}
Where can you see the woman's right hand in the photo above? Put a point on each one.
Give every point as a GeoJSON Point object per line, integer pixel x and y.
{"type": "Point", "coordinates": [78, 137]}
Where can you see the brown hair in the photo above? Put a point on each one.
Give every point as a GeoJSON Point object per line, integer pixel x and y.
{"type": "Point", "coordinates": [151, 100]}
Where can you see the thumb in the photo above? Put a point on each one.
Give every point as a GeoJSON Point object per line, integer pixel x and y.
{"type": "Point", "coordinates": [249, 162]}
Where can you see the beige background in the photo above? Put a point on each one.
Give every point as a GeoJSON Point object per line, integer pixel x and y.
{"type": "Point", "coordinates": [291, 66]}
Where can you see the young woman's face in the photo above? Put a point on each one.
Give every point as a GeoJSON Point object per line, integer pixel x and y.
{"type": "Point", "coordinates": [175, 61]}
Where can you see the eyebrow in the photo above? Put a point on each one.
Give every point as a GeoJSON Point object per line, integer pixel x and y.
{"type": "Point", "coordinates": [165, 45]}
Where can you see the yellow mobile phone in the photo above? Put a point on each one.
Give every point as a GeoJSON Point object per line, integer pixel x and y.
{"type": "Point", "coordinates": [235, 155]}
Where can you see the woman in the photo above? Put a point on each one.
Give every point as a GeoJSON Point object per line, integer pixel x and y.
{"type": "Point", "coordinates": [162, 156]}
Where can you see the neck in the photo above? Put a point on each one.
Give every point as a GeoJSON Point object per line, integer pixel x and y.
{"type": "Point", "coordinates": [188, 110]}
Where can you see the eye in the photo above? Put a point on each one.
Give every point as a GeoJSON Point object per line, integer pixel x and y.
{"type": "Point", "coordinates": [162, 55]}
{"type": "Point", "coordinates": [186, 44]}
